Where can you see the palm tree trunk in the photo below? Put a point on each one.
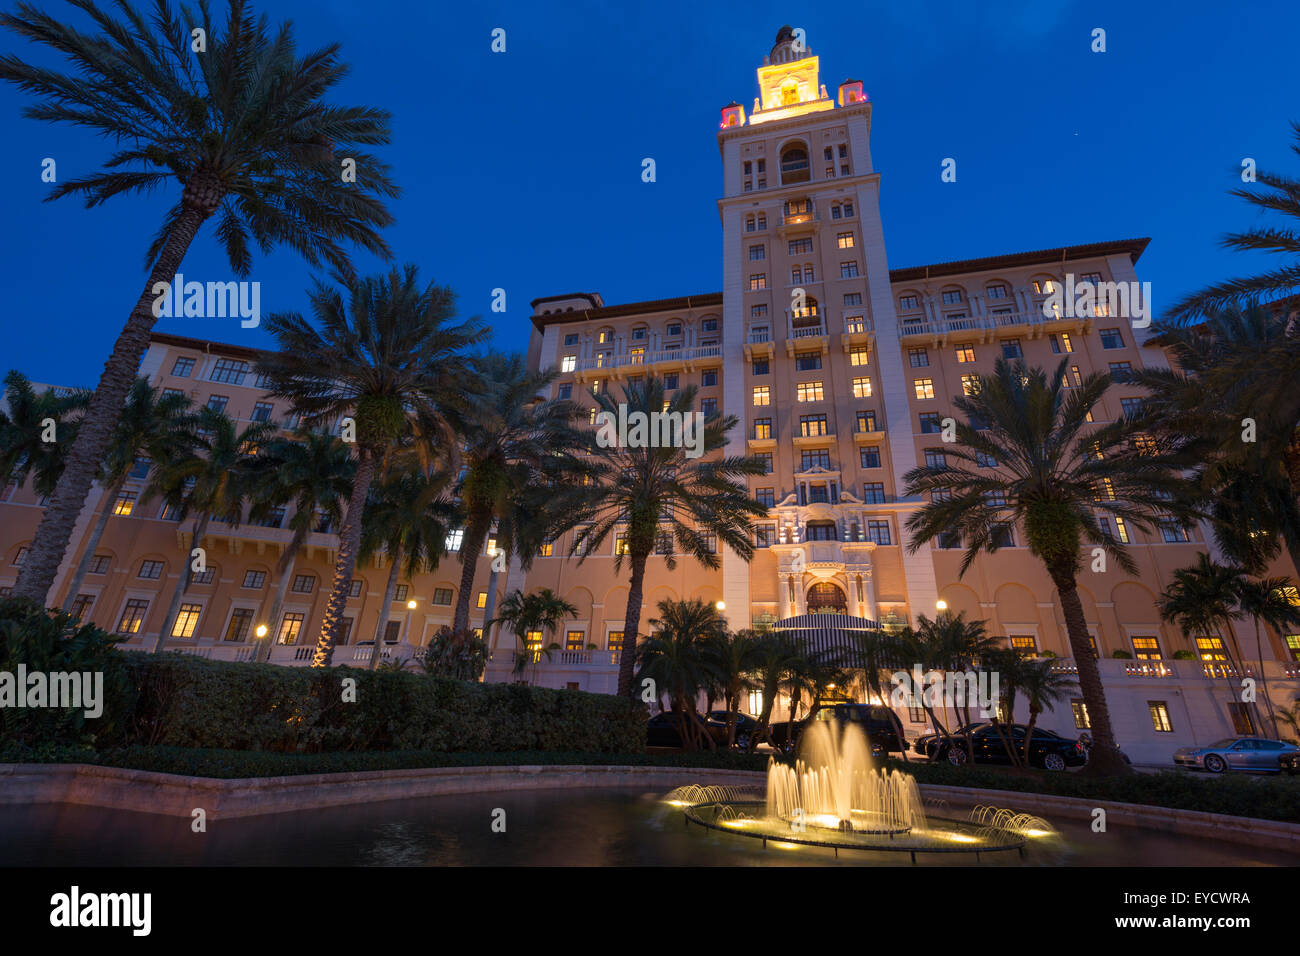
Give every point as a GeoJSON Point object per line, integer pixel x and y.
{"type": "Point", "coordinates": [272, 620]}
{"type": "Point", "coordinates": [1263, 680]}
{"type": "Point", "coordinates": [349, 543]}
{"type": "Point", "coordinates": [471, 546]}
{"type": "Point", "coordinates": [182, 584]}
{"type": "Point", "coordinates": [762, 731]}
{"type": "Point", "coordinates": [1104, 758]}
{"type": "Point", "coordinates": [390, 590]}
{"type": "Point", "coordinates": [96, 533]}
{"type": "Point", "coordinates": [631, 621]}
{"type": "Point", "coordinates": [95, 430]}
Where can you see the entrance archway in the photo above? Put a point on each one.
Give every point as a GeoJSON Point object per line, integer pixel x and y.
{"type": "Point", "coordinates": [826, 598]}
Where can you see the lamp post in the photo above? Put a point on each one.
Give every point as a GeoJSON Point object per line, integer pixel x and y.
{"type": "Point", "coordinates": [410, 609]}
{"type": "Point", "coordinates": [260, 631]}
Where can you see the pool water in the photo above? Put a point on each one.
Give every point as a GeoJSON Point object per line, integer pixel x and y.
{"type": "Point", "coordinates": [592, 827]}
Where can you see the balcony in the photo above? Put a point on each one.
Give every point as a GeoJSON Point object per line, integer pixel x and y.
{"type": "Point", "coordinates": [758, 341]}
{"type": "Point", "coordinates": [858, 331]}
{"type": "Point", "coordinates": [662, 360]}
{"type": "Point", "coordinates": [983, 328]}
{"type": "Point", "coordinates": [823, 440]}
{"type": "Point", "coordinates": [806, 328]}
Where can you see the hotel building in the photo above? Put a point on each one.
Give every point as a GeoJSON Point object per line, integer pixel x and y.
{"type": "Point", "coordinates": [840, 370]}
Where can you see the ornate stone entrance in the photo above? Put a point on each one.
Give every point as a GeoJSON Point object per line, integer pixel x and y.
{"type": "Point", "coordinates": [826, 598]}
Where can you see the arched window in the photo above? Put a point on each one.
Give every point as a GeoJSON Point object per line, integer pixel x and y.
{"type": "Point", "coordinates": [826, 598]}
{"type": "Point", "coordinates": [794, 165]}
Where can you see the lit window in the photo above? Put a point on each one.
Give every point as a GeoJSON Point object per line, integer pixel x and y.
{"type": "Point", "coordinates": [132, 616]}
{"type": "Point", "coordinates": [924, 387]}
{"type": "Point", "coordinates": [762, 395]}
{"type": "Point", "coordinates": [290, 627]}
{"type": "Point", "coordinates": [125, 503]}
{"type": "Point", "coordinates": [859, 355]}
{"type": "Point", "coordinates": [809, 392]}
{"type": "Point", "coordinates": [844, 240]}
{"type": "Point", "coordinates": [568, 363]}
{"type": "Point", "coordinates": [186, 620]}
{"type": "Point", "coordinates": [757, 281]}
{"type": "Point", "coordinates": [1160, 716]}
{"type": "Point", "coordinates": [970, 384]}
{"type": "Point", "coordinates": [862, 387]}
{"type": "Point", "coordinates": [482, 600]}
{"type": "Point", "coordinates": [965, 353]}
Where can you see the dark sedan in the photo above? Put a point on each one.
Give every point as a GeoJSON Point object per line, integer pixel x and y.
{"type": "Point", "coordinates": [1047, 749]}
{"type": "Point", "coordinates": [746, 727]}
{"type": "Point", "coordinates": [926, 743]}
{"type": "Point", "coordinates": [883, 731]}
{"type": "Point", "coordinates": [664, 730]}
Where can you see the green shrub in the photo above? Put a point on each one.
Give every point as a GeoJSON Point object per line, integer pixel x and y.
{"type": "Point", "coordinates": [185, 701]}
{"type": "Point", "coordinates": [54, 642]}
{"type": "Point", "coordinates": [459, 654]}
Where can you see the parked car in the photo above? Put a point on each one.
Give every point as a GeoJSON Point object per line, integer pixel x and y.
{"type": "Point", "coordinates": [926, 743]}
{"type": "Point", "coordinates": [664, 730]}
{"type": "Point", "coordinates": [1047, 749]}
{"type": "Point", "coordinates": [881, 726]}
{"type": "Point", "coordinates": [1236, 753]}
{"type": "Point", "coordinates": [1290, 761]}
{"type": "Point", "coordinates": [746, 727]}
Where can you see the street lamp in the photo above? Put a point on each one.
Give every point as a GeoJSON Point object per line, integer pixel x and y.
{"type": "Point", "coordinates": [721, 605]}
{"type": "Point", "coordinates": [941, 605]}
{"type": "Point", "coordinates": [261, 631]}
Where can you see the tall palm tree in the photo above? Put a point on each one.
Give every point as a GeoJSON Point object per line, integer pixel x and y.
{"type": "Point", "coordinates": [312, 471]}
{"type": "Point", "coordinates": [406, 518]}
{"type": "Point", "coordinates": [388, 357]}
{"type": "Point", "coordinates": [515, 444]}
{"type": "Point", "coordinates": [24, 451]}
{"type": "Point", "coordinates": [1202, 600]}
{"type": "Point", "coordinates": [1218, 405]}
{"type": "Point", "coordinates": [243, 128]}
{"type": "Point", "coordinates": [538, 611]}
{"type": "Point", "coordinates": [675, 658]}
{"type": "Point", "coordinates": [1271, 192]}
{"type": "Point", "coordinates": [210, 481]}
{"type": "Point", "coordinates": [661, 495]}
{"type": "Point", "coordinates": [154, 426]}
{"type": "Point", "coordinates": [1054, 473]}
{"type": "Point", "coordinates": [1268, 601]}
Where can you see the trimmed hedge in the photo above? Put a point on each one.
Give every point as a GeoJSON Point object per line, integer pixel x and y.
{"type": "Point", "coordinates": [237, 764]}
{"type": "Point", "coordinates": [185, 701]}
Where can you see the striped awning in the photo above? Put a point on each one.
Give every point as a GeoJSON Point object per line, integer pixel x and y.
{"type": "Point", "coordinates": [828, 635]}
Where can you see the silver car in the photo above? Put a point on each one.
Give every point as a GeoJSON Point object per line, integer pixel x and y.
{"type": "Point", "coordinates": [1235, 753]}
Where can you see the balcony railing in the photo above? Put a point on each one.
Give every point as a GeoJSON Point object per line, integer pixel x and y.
{"type": "Point", "coordinates": [989, 322]}
{"type": "Point", "coordinates": [807, 331]}
{"type": "Point", "coordinates": [626, 360]}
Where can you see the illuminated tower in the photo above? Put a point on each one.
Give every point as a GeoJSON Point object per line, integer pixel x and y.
{"type": "Point", "coordinates": [807, 303]}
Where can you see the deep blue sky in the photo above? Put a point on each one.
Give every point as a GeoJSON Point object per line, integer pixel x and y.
{"type": "Point", "coordinates": [522, 170]}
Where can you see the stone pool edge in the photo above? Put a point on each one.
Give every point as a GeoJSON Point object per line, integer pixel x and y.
{"type": "Point", "coordinates": [145, 791]}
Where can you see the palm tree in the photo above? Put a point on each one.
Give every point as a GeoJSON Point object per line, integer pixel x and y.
{"type": "Point", "coordinates": [515, 445]}
{"type": "Point", "coordinates": [209, 482]}
{"type": "Point", "coordinates": [387, 358]}
{"type": "Point", "coordinates": [406, 518]}
{"type": "Point", "coordinates": [733, 656]}
{"type": "Point", "coordinates": [25, 451]}
{"type": "Point", "coordinates": [675, 658]}
{"type": "Point", "coordinates": [948, 643]}
{"type": "Point", "coordinates": [244, 128]}
{"type": "Point", "coordinates": [1012, 669]}
{"type": "Point", "coordinates": [312, 471]}
{"type": "Point", "coordinates": [1202, 600]}
{"type": "Point", "coordinates": [1269, 193]}
{"type": "Point", "coordinates": [1220, 408]}
{"type": "Point", "coordinates": [539, 611]}
{"type": "Point", "coordinates": [774, 657]}
{"type": "Point", "coordinates": [1267, 600]}
{"type": "Point", "coordinates": [1054, 473]}
{"type": "Point", "coordinates": [660, 495]}
{"type": "Point", "coordinates": [153, 426]}
{"type": "Point", "coordinates": [1043, 685]}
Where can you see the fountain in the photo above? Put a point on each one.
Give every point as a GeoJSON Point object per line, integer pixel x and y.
{"type": "Point", "coordinates": [834, 796]}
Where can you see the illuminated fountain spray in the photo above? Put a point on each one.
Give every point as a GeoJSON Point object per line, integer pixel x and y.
{"type": "Point", "coordinates": [834, 785]}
